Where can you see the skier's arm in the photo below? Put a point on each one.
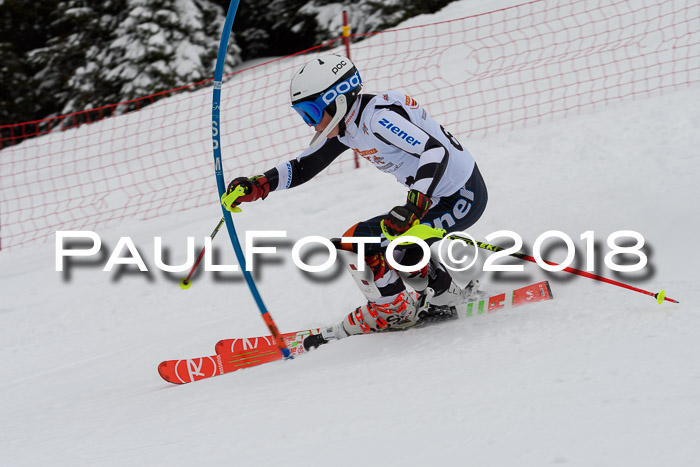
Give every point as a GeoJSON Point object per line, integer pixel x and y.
{"type": "Point", "coordinates": [290, 174]}
{"type": "Point", "coordinates": [305, 167]}
{"type": "Point", "coordinates": [391, 125]}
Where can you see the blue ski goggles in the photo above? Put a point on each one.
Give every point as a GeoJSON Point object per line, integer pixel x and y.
{"type": "Point", "coordinates": [312, 110]}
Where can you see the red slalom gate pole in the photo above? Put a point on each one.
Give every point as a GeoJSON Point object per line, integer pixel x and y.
{"type": "Point", "coordinates": [346, 42]}
{"type": "Point", "coordinates": [185, 283]}
{"type": "Point", "coordinates": [346, 34]}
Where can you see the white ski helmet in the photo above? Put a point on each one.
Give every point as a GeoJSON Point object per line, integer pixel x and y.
{"type": "Point", "coordinates": [328, 83]}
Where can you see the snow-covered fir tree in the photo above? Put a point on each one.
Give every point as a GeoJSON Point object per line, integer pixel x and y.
{"type": "Point", "coordinates": [23, 30]}
{"type": "Point", "coordinates": [77, 27]}
{"type": "Point", "coordinates": [99, 53]}
{"type": "Point", "coordinates": [286, 26]}
{"type": "Point", "coordinates": [283, 27]}
{"type": "Point", "coordinates": [62, 56]}
{"type": "Point", "coordinates": [157, 45]}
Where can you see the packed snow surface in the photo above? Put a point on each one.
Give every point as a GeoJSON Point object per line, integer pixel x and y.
{"type": "Point", "coordinates": [598, 376]}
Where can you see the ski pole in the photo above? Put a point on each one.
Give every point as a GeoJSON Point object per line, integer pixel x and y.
{"type": "Point", "coordinates": [659, 296]}
{"type": "Point", "coordinates": [425, 232]}
{"type": "Point", "coordinates": [185, 283]}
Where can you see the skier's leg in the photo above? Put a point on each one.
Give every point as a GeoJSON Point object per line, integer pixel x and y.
{"type": "Point", "coordinates": [392, 306]}
{"type": "Point", "coordinates": [395, 307]}
{"type": "Point", "coordinates": [435, 275]}
{"type": "Point", "coordinates": [457, 212]}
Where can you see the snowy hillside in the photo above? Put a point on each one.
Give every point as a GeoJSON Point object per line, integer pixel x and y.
{"type": "Point", "coordinates": [598, 376]}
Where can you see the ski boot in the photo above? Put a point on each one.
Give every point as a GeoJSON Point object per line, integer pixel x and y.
{"type": "Point", "coordinates": [400, 313]}
{"type": "Point", "coordinates": [455, 295]}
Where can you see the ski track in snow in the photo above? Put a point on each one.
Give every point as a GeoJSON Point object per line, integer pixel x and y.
{"type": "Point", "coordinates": [598, 376]}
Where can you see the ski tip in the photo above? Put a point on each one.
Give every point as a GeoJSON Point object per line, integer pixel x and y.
{"type": "Point", "coordinates": [162, 371]}
{"type": "Point", "coordinates": [185, 284]}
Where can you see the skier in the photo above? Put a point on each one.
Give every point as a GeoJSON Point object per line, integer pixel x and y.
{"type": "Point", "coordinates": [393, 132]}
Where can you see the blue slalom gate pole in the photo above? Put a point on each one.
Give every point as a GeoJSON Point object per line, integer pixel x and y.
{"type": "Point", "coordinates": [218, 169]}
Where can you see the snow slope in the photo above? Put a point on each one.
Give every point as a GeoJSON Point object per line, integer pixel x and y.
{"type": "Point", "coordinates": [599, 376]}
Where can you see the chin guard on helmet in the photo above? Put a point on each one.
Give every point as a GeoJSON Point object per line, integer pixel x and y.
{"type": "Point", "coordinates": [340, 111]}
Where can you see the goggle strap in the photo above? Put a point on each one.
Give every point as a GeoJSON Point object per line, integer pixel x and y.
{"type": "Point", "coordinates": [341, 106]}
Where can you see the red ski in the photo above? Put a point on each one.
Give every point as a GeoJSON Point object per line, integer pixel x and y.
{"type": "Point", "coordinates": [236, 354]}
{"type": "Point", "coordinates": [528, 294]}
{"type": "Point", "coordinates": [242, 353]}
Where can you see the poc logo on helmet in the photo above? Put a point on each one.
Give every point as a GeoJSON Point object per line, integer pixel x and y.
{"type": "Point", "coordinates": [342, 88]}
{"type": "Point", "coordinates": [338, 67]}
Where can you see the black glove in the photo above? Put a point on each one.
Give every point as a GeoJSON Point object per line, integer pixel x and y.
{"type": "Point", "coordinates": [402, 218]}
